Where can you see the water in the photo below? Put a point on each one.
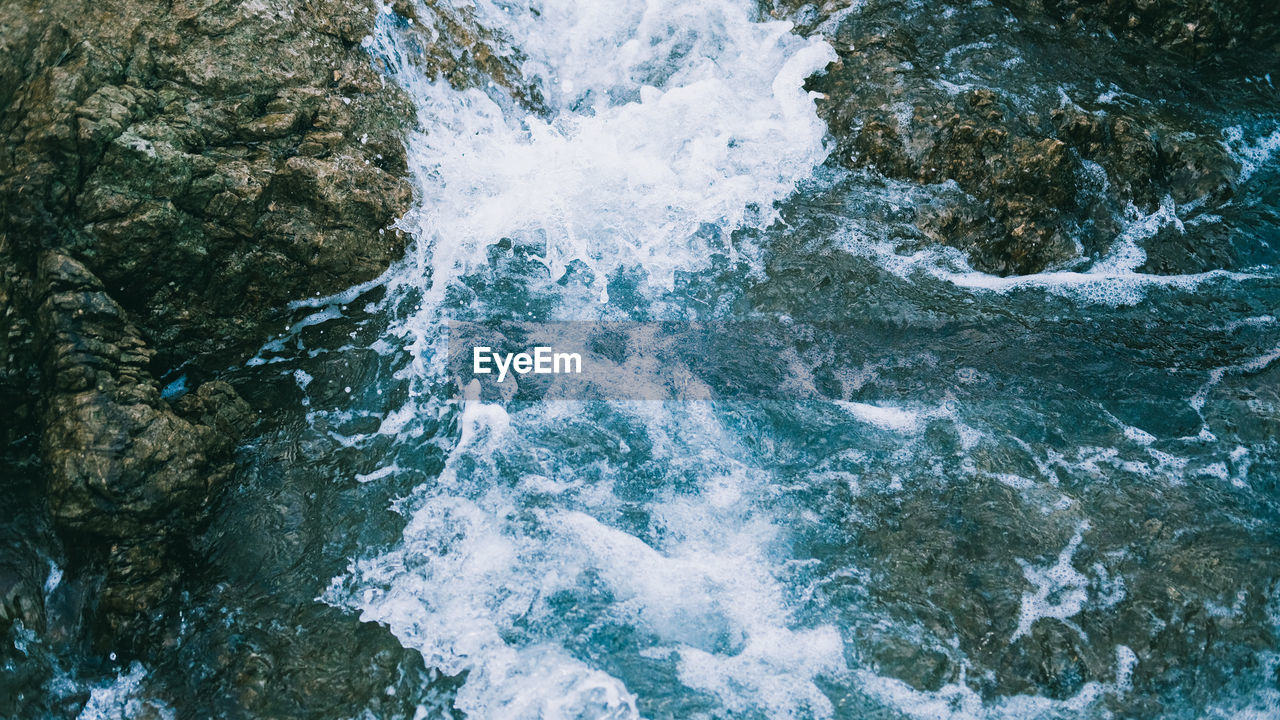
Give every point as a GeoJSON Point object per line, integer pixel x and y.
{"type": "Point", "coordinates": [1043, 496]}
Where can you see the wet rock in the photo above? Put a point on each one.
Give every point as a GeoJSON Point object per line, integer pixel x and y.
{"type": "Point", "coordinates": [1190, 28]}
{"type": "Point", "coordinates": [1053, 659]}
{"type": "Point", "coordinates": [154, 144]}
{"type": "Point", "coordinates": [121, 463]}
{"type": "Point", "coordinates": [20, 600]}
{"type": "Point", "coordinates": [977, 95]}
{"type": "Point", "coordinates": [128, 476]}
{"type": "Point", "coordinates": [18, 369]}
{"type": "Point", "coordinates": [171, 174]}
{"type": "Point", "coordinates": [1024, 181]}
{"type": "Point", "coordinates": [149, 215]}
{"type": "Point", "coordinates": [465, 53]}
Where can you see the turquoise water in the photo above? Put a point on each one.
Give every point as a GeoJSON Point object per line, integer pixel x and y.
{"type": "Point", "coordinates": [938, 493]}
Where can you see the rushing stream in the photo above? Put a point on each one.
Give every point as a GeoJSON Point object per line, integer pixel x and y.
{"type": "Point", "coordinates": [938, 493]}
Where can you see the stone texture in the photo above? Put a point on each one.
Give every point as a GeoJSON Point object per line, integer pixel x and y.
{"type": "Point", "coordinates": [975, 95]}
{"type": "Point", "coordinates": [171, 173]}
{"type": "Point", "coordinates": [1193, 29]}
{"type": "Point", "coordinates": [121, 462]}
{"type": "Point", "coordinates": [207, 160]}
{"type": "Point", "coordinates": [129, 476]}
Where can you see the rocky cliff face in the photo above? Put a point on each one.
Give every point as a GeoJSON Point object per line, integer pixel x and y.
{"type": "Point", "coordinates": [171, 174]}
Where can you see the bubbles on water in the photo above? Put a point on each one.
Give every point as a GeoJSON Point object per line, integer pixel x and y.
{"type": "Point", "coordinates": [1252, 156]}
{"type": "Point", "coordinates": [886, 417]}
{"type": "Point", "coordinates": [573, 568]}
{"type": "Point", "coordinates": [1060, 590]}
{"type": "Point", "coordinates": [497, 578]}
{"type": "Point", "coordinates": [124, 698]}
{"type": "Point", "coordinates": [1112, 280]}
{"type": "Point", "coordinates": [670, 125]}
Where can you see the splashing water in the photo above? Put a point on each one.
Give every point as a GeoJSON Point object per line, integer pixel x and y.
{"type": "Point", "coordinates": [653, 133]}
{"type": "Point", "coordinates": [670, 127]}
{"type": "Point", "coordinates": [903, 539]}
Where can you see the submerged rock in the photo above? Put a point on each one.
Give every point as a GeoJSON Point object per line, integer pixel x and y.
{"type": "Point", "coordinates": [1190, 28]}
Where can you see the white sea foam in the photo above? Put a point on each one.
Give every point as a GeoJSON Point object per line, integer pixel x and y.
{"type": "Point", "coordinates": [897, 418]}
{"type": "Point", "coordinates": [1252, 156]}
{"type": "Point", "coordinates": [479, 573]}
{"type": "Point", "coordinates": [1111, 280]}
{"type": "Point", "coordinates": [665, 119]}
{"type": "Point", "coordinates": [53, 580]}
{"type": "Point", "coordinates": [833, 22]}
{"type": "Point", "coordinates": [124, 698]}
{"type": "Point", "coordinates": [1060, 590]}
{"type": "Point", "coordinates": [884, 416]}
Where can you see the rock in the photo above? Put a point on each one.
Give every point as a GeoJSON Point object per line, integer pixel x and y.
{"type": "Point", "coordinates": [1193, 29]}
{"type": "Point", "coordinates": [121, 463]}
{"type": "Point", "coordinates": [1048, 177]}
{"type": "Point", "coordinates": [159, 137]}
{"type": "Point", "coordinates": [146, 202]}
{"type": "Point", "coordinates": [128, 477]}
{"type": "Point", "coordinates": [1053, 659]}
{"type": "Point", "coordinates": [171, 174]}
{"type": "Point", "coordinates": [1024, 179]}
{"type": "Point", "coordinates": [20, 599]}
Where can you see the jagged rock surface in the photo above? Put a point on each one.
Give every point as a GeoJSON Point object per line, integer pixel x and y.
{"type": "Point", "coordinates": [1193, 29]}
{"type": "Point", "coordinates": [976, 95]}
{"type": "Point", "coordinates": [121, 462]}
{"type": "Point", "coordinates": [128, 475]}
{"type": "Point", "coordinates": [207, 160]}
{"type": "Point", "coordinates": [170, 174]}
